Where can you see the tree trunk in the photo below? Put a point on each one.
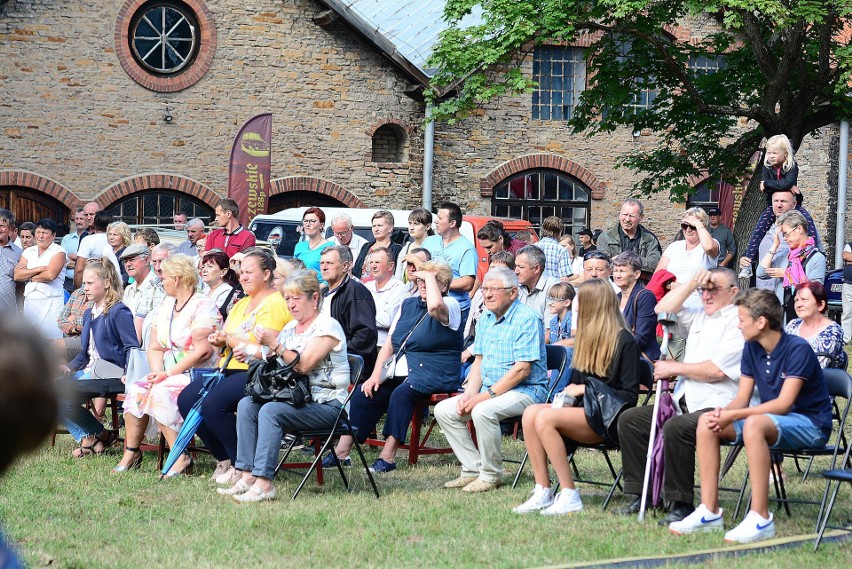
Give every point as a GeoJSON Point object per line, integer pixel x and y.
{"type": "Point", "coordinates": [752, 205]}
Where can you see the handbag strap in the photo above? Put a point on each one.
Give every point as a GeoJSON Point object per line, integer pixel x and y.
{"type": "Point", "coordinates": [401, 349]}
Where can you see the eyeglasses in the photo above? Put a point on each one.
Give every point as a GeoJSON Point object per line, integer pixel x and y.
{"type": "Point", "coordinates": [342, 233]}
{"type": "Point", "coordinates": [596, 255]}
{"type": "Point", "coordinates": [494, 289]}
{"type": "Point", "coordinates": [786, 234]}
{"type": "Point", "coordinates": [712, 290]}
{"type": "Point", "coordinates": [310, 221]}
{"type": "Point", "coordinates": [687, 227]}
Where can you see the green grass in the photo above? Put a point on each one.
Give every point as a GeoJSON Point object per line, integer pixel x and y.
{"type": "Point", "coordinates": [71, 513]}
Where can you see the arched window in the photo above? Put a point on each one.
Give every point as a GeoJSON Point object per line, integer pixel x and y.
{"type": "Point", "coordinates": [157, 207]}
{"type": "Point", "coordinates": [536, 194]}
{"type": "Point", "coordinates": [390, 144]}
{"type": "Point", "coordinates": [32, 205]}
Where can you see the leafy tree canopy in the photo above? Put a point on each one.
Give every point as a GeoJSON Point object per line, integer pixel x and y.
{"type": "Point", "coordinates": [786, 67]}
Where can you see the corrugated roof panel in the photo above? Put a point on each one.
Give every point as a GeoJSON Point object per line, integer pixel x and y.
{"type": "Point", "coordinates": [412, 26]}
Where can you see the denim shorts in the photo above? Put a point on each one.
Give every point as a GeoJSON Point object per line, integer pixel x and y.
{"type": "Point", "coordinates": [795, 432]}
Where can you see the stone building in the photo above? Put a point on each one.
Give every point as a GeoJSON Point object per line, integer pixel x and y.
{"type": "Point", "coordinates": [135, 105]}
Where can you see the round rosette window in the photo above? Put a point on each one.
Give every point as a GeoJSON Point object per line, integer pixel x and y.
{"type": "Point", "coordinates": [164, 38]}
{"type": "Point", "coordinates": [165, 45]}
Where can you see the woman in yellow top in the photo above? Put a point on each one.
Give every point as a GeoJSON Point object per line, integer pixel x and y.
{"type": "Point", "coordinates": [263, 307]}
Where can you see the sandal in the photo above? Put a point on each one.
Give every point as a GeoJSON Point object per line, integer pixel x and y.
{"type": "Point", "coordinates": [84, 450]}
{"type": "Point", "coordinates": [106, 438]}
{"type": "Point", "coordinates": [134, 464]}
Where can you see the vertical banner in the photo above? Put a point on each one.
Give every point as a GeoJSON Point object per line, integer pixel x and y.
{"type": "Point", "coordinates": [250, 167]}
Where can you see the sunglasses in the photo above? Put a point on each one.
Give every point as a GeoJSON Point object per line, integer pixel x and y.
{"type": "Point", "coordinates": [687, 227]}
{"type": "Point", "coordinates": [596, 255]}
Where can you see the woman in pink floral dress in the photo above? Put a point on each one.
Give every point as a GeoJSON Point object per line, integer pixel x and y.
{"type": "Point", "coordinates": [179, 342]}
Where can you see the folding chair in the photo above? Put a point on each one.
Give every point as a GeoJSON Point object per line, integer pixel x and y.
{"type": "Point", "coordinates": [340, 427]}
{"type": "Point", "coordinates": [418, 441]}
{"type": "Point", "coordinates": [646, 379]}
{"type": "Point", "coordinates": [837, 477]}
{"type": "Point", "coordinates": [557, 359]}
{"type": "Point", "coordinates": [839, 385]}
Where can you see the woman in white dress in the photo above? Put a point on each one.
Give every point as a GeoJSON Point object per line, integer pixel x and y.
{"type": "Point", "coordinates": [179, 342]}
{"type": "Point", "coordinates": [41, 267]}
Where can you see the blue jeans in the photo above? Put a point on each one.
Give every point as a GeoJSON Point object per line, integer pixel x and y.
{"type": "Point", "coordinates": [77, 419]}
{"type": "Point", "coordinates": [260, 428]}
{"type": "Point", "coordinates": [79, 422]}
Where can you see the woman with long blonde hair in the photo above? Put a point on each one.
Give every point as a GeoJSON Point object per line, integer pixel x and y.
{"type": "Point", "coordinates": [605, 353]}
{"type": "Point", "coordinates": [108, 335]}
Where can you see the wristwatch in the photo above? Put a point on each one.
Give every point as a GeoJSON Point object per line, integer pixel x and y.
{"type": "Point", "coordinates": [491, 393]}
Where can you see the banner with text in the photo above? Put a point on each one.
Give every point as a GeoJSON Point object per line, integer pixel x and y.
{"type": "Point", "coordinates": [250, 167]}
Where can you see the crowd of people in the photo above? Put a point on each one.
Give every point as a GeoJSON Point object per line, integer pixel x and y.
{"type": "Point", "coordinates": [424, 322]}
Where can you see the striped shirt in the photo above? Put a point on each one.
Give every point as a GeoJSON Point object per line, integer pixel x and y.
{"type": "Point", "coordinates": [518, 336]}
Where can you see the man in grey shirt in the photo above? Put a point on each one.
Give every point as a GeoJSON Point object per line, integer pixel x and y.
{"type": "Point", "coordinates": [722, 234]}
{"type": "Point", "coordinates": [530, 264]}
{"type": "Point", "coordinates": [10, 254]}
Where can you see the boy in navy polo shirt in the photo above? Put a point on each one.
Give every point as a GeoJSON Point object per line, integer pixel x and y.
{"type": "Point", "coordinates": [795, 413]}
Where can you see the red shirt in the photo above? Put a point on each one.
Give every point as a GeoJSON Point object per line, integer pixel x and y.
{"type": "Point", "coordinates": [240, 240]}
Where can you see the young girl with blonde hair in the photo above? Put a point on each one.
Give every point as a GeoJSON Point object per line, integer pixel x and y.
{"type": "Point", "coordinates": [780, 174]}
{"type": "Point", "coordinates": [605, 352]}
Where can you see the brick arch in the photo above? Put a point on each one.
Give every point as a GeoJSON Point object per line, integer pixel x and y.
{"type": "Point", "coordinates": [318, 185]}
{"type": "Point", "coordinates": [157, 181]}
{"type": "Point", "coordinates": [33, 181]}
{"type": "Point", "coordinates": [536, 161]}
{"type": "Point", "coordinates": [371, 130]}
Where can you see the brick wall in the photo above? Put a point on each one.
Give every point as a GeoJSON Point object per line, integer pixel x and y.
{"type": "Point", "coordinates": [72, 114]}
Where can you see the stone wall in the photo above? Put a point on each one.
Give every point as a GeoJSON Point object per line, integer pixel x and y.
{"type": "Point", "coordinates": [70, 112]}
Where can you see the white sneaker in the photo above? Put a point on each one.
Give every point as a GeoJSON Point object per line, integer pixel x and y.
{"type": "Point", "coordinates": [566, 502]}
{"type": "Point", "coordinates": [753, 528]}
{"type": "Point", "coordinates": [540, 499]}
{"type": "Point", "coordinates": [702, 519]}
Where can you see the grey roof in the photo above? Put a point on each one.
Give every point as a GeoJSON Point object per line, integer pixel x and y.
{"type": "Point", "coordinates": [406, 30]}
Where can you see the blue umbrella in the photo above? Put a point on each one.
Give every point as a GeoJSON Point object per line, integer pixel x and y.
{"type": "Point", "coordinates": [193, 418]}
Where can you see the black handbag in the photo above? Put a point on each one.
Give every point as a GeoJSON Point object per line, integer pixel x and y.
{"type": "Point", "coordinates": [273, 380]}
{"type": "Point", "coordinates": [602, 406]}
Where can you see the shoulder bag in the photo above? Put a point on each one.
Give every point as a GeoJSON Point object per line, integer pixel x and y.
{"type": "Point", "coordinates": [389, 367]}
{"type": "Point", "coordinates": [273, 380]}
{"type": "Point", "coordinates": [602, 406]}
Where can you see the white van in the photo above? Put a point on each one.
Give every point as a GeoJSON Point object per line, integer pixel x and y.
{"type": "Point", "coordinates": [283, 230]}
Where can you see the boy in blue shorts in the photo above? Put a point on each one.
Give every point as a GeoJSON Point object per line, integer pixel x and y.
{"type": "Point", "coordinates": [794, 413]}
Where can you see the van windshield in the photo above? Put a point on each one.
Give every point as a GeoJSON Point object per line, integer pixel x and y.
{"type": "Point", "coordinates": [282, 235]}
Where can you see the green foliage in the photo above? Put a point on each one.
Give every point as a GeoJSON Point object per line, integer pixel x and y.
{"type": "Point", "coordinates": [785, 69]}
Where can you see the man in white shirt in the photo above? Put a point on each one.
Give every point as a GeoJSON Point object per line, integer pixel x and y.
{"type": "Point", "coordinates": [341, 225]}
{"type": "Point", "coordinates": [94, 246]}
{"type": "Point", "coordinates": [388, 292]}
{"type": "Point", "coordinates": [137, 262]}
{"type": "Point", "coordinates": [707, 378]}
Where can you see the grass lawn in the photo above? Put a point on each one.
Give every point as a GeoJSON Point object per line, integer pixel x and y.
{"type": "Point", "coordinates": [71, 513]}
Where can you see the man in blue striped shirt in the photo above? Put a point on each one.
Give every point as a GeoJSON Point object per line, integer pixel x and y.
{"type": "Point", "coordinates": [508, 375]}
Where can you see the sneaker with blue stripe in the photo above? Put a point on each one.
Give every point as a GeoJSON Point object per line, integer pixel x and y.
{"type": "Point", "coordinates": [753, 528]}
{"type": "Point", "coordinates": [702, 519]}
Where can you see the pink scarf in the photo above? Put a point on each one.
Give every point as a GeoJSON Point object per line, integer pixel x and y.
{"type": "Point", "coordinates": [795, 272]}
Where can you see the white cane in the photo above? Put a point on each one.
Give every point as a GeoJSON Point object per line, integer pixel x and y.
{"type": "Point", "coordinates": [665, 319]}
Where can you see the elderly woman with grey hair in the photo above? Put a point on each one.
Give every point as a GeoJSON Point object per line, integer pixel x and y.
{"type": "Point", "coordinates": [316, 345]}
{"type": "Point", "coordinates": [636, 303]}
{"type": "Point", "coordinates": [696, 251]}
{"type": "Point", "coordinates": [804, 263]}
{"type": "Point", "coordinates": [430, 328]}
